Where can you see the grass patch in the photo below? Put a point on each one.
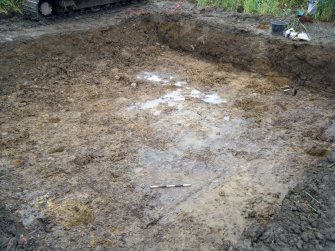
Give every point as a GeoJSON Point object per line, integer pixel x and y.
{"type": "Point", "coordinates": [10, 6]}
{"type": "Point", "coordinates": [325, 8]}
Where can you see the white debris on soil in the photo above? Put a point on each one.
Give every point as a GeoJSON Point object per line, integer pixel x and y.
{"type": "Point", "coordinates": [171, 99]}
{"type": "Point", "coordinates": [29, 214]}
{"type": "Point", "coordinates": [155, 78]}
{"type": "Point", "coordinates": [175, 98]}
{"type": "Point", "coordinates": [151, 104]}
{"type": "Point", "coordinates": [163, 78]}
{"type": "Point", "coordinates": [180, 83]}
{"type": "Point", "coordinates": [195, 94]}
{"type": "Point", "coordinates": [214, 99]}
{"type": "Point", "coordinates": [294, 35]}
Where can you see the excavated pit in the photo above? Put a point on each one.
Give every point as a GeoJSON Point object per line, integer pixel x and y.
{"type": "Point", "coordinates": [89, 120]}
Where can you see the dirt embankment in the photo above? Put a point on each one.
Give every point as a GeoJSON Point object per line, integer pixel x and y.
{"type": "Point", "coordinates": [224, 37]}
{"type": "Point", "coordinates": [308, 64]}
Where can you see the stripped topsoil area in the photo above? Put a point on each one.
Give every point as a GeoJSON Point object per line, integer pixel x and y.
{"type": "Point", "coordinates": [89, 120]}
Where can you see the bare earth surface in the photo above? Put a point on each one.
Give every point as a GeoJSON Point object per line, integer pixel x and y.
{"type": "Point", "coordinates": [96, 108]}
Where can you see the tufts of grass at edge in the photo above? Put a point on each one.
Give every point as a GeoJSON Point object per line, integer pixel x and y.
{"type": "Point", "coordinates": [326, 8]}
{"type": "Point", "coordinates": [10, 6]}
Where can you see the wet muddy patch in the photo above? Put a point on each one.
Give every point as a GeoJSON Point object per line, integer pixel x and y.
{"type": "Point", "coordinates": [86, 131]}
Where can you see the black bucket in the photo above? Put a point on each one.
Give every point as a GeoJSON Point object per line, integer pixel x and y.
{"type": "Point", "coordinates": [278, 27]}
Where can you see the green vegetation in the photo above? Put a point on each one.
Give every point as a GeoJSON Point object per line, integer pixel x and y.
{"type": "Point", "coordinates": [261, 7]}
{"type": "Point", "coordinates": [326, 8]}
{"type": "Point", "coordinates": [10, 6]}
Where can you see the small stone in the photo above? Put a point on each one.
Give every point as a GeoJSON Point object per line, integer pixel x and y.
{"type": "Point", "coordinates": [117, 77]}
{"type": "Point", "coordinates": [283, 238]}
{"type": "Point", "coordinates": [83, 160]}
{"type": "Point", "coordinates": [222, 193]}
{"type": "Point", "coordinates": [58, 149]}
{"type": "Point", "coordinates": [303, 226]}
{"type": "Point", "coordinates": [54, 120]}
{"type": "Point", "coordinates": [252, 214]}
{"type": "Point", "coordinates": [276, 195]}
{"type": "Point", "coordinates": [293, 208]}
{"type": "Point", "coordinates": [299, 244]}
{"type": "Point", "coordinates": [331, 157]}
{"type": "Point", "coordinates": [125, 55]}
{"type": "Point", "coordinates": [134, 85]}
{"type": "Point", "coordinates": [331, 237]}
{"type": "Point", "coordinates": [305, 236]}
{"type": "Point", "coordinates": [265, 235]}
{"type": "Point", "coordinates": [296, 229]}
{"type": "Point", "coordinates": [313, 223]}
{"type": "Point", "coordinates": [254, 232]}
{"type": "Point", "coordinates": [17, 163]}
{"type": "Point", "coordinates": [12, 244]}
{"type": "Point", "coordinates": [319, 248]}
{"type": "Point", "coordinates": [4, 241]}
{"type": "Point", "coordinates": [317, 151]}
{"type": "Point", "coordinates": [319, 236]}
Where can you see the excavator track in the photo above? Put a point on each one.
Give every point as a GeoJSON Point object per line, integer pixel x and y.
{"type": "Point", "coordinates": [31, 9]}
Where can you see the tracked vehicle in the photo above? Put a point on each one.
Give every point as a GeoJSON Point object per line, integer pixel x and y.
{"type": "Point", "coordinates": [39, 9]}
